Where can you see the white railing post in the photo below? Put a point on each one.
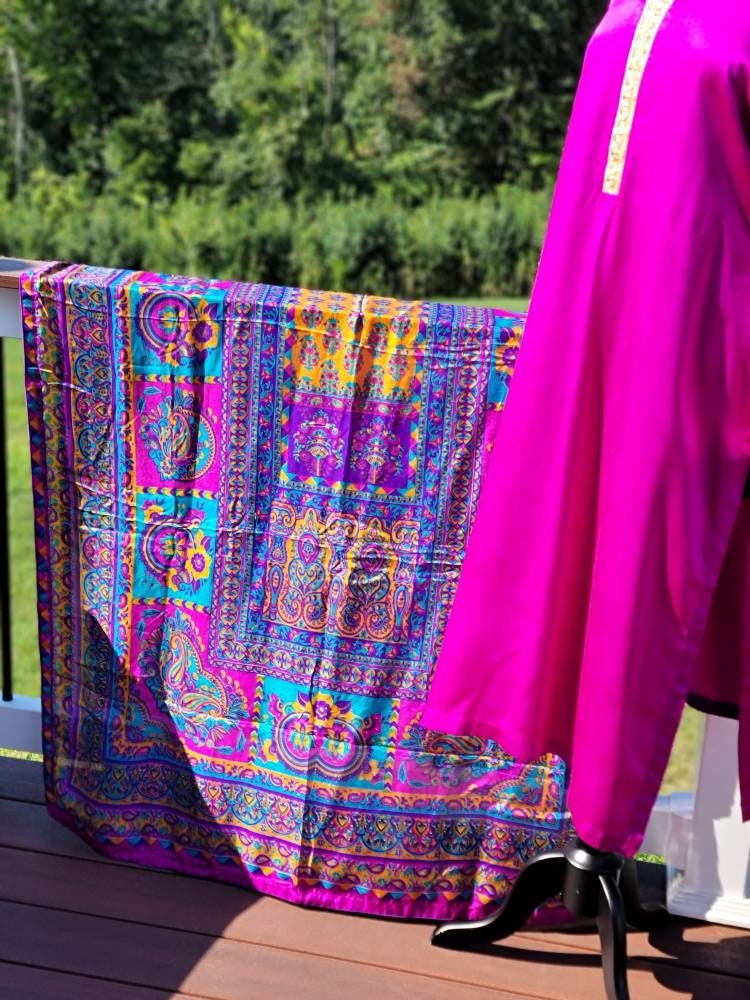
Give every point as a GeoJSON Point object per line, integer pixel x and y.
{"type": "Point", "coordinates": [708, 856]}
{"type": "Point", "coordinates": [20, 717]}
{"type": "Point", "coordinates": [10, 312]}
{"type": "Point", "coordinates": [702, 837]}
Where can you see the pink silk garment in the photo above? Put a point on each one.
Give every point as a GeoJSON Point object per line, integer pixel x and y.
{"type": "Point", "coordinates": [581, 619]}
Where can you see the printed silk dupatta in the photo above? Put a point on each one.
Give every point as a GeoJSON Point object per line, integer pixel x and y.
{"type": "Point", "coordinates": [251, 506]}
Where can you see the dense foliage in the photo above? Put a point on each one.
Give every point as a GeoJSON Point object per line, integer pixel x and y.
{"type": "Point", "coordinates": [408, 145]}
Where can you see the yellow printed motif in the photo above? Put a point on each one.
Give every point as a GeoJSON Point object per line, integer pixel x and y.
{"type": "Point", "coordinates": [654, 12]}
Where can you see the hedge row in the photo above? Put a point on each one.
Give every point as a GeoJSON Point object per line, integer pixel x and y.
{"type": "Point", "coordinates": [486, 246]}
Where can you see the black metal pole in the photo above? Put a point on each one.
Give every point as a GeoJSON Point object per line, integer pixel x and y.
{"type": "Point", "coordinates": [4, 545]}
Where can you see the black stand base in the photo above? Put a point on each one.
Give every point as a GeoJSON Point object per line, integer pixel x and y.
{"type": "Point", "coordinates": [593, 884]}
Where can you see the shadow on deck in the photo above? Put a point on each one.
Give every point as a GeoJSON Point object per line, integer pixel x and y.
{"type": "Point", "coordinates": [77, 926]}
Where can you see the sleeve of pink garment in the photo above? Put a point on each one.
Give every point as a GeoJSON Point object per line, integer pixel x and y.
{"type": "Point", "coordinates": [613, 492]}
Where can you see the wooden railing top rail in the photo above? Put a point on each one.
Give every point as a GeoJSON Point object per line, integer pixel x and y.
{"type": "Point", "coordinates": [11, 268]}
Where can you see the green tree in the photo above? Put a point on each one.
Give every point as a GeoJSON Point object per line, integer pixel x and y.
{"type": "Point", "coordinates": [341, 141]}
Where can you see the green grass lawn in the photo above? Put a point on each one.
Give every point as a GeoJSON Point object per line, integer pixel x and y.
{"type": "Point", "coordinates": [510, 305]}
{"type": "Point", "coordinates": [681, 771]}
{"type": "Point", "coordinates": [21, 540]}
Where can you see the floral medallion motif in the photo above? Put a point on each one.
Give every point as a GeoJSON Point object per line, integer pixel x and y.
{"type": "Point", "coordinates": [318, 445]}
{"type": "Point", "coordinates": [177, 327]}
{"type": "Point", "coordinates": [321, 735]}
{"type": "Point", "coordinates": [377, 451]}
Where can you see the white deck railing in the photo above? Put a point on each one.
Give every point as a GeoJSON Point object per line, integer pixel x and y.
{"type": "Point", "coordinates": [20, 718]}
{"type": "Point", "coordinates": [700, 833]}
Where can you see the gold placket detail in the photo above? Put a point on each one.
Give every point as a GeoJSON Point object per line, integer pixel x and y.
{"type": "Point", "coordinates": [652, 16]}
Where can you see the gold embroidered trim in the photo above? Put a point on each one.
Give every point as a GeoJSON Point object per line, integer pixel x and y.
{"type": "Point", "coordinates": [654, 12]}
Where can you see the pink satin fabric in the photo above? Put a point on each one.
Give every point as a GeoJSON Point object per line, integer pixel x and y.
{"type": "Point", "coordinates": [616, 480]}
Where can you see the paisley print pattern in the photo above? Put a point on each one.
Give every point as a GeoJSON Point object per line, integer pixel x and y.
{"type": "Point", "coordinates": [252, 505]}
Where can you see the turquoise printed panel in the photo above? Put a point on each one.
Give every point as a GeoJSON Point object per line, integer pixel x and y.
{"type": "Point", "coordinates": [326, 736]}
{"type": "Point", "coordinates": [506, 337]}
{"type": "Point", "coordinates": [178, 329]}
{"type": "Point", "coordinates": [175, 547]}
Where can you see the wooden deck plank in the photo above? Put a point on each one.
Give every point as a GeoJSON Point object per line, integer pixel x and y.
{"type": "Point", "coordinates": [229, 970]}
{"type": "Point", "coordinates": [693, 945]}
{"type": "Point", "coordinates": [49, 871]}
{"type": "Point", "coordinates": [58, 879]}
{"type": "Point", "coordinates": [22, 982]}
{"type": "Point", "coordinates": [217, 969]}
{"type": "Point", "coordinates": [22, 780]}
{"type": "Point", "coordinates": [166, 900]}
{"type": "Point", "coordinates": [181, 903]}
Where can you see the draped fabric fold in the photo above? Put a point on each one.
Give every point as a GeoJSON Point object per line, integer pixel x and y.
{"type": "Point", "coordinates": [251, 508]}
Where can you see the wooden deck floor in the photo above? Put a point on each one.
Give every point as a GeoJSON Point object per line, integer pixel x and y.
{"type": "Point", "coordinates": [75, 926]}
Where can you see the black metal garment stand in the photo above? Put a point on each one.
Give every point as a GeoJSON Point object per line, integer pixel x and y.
{"type": "Point", "coordinates": [593, 884]}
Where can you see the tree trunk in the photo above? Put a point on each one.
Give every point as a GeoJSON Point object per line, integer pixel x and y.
{"type": "Point", "coordinates": [18, 117]}
{"type": "Point", "coordinates": [329, 43]}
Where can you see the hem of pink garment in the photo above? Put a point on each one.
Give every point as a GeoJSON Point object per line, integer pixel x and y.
{"type": "Point", "coordinates": [154, 857]}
